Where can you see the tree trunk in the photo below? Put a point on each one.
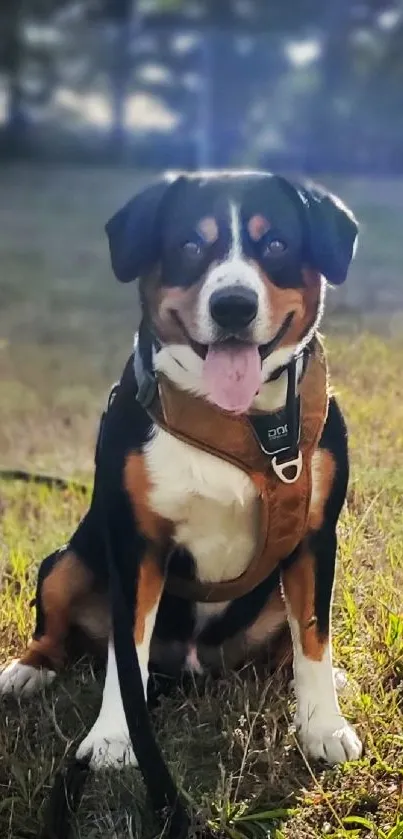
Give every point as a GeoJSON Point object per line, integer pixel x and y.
{"type": "Point", "coordinates": [324, 147]}
{"type": "Point", "coordinates": [120, 13]}
{"type": "Point", "coordinates": [15, 130]}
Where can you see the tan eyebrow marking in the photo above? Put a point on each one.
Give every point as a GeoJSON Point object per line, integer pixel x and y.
{"type": "Point", "coordinates": [208, 229]}
{"type": "Point", "coordinates": [257, 227]}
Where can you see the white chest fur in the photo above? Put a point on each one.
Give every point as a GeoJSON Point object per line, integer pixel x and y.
{"type": "Point", "coordinates": [212, 504]}
{"type": "Point", "coordinates": [214, 508]}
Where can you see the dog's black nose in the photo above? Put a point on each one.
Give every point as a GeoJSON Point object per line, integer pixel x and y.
{"type": "Point", "coordinates": [233, 307]}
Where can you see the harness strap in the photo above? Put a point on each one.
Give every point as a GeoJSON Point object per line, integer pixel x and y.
{"type": "Point", "coordinates": [283, 488]}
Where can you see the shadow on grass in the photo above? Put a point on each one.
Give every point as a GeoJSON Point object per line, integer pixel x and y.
{"type": "Point", "coordinates": [226, 741]}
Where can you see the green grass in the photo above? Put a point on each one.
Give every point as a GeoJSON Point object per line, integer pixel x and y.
{"type": "Point", "coordinates": [230, 744]}
{"type": "Point", "coordinates": [65, 330]}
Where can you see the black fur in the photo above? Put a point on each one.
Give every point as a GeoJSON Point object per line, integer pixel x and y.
{"type": "Point", "coordinates": [153, 227]}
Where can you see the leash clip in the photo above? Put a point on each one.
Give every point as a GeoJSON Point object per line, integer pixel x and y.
{"type": "Point", "coordinates": [147, 385]}
{"type": "Point", "coordinates": [279, 468]}
{"type": "Point", "coordinates": [147, 389]}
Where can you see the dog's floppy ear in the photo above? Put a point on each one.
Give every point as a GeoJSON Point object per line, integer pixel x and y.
{"type": "Point", "coordinates": [134, 237]}
{"type": "Point", "coordinates": [332, 233]}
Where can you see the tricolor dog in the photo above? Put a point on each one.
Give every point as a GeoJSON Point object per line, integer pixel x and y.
{"type": "Point", "coordinates": [222, 463]}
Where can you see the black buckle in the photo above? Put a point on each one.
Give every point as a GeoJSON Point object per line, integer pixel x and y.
{"type": "Point", "coordinates": [112, 393]}
{"type": "Point", "coordinates": [278, 433]}
{"type": "Point", "coordinates": [147, 385]}
{"type": "Point", "coordinates": [147, 389]}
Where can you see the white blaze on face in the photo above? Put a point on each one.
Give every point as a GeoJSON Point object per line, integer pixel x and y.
{"type": "Point", "coordinates": [236, 233]}
{"type": "Point", "coordinates": [232, 372]}
{"type": "Point", "coordinates": [234, 270]}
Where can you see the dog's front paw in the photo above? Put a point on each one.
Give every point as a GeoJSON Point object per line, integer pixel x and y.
{"type": "Point", "coordinates": [108, 751]}
{"type": "Point", "coordinates": [327, 737]}
{"type": "Point", "coordinates": [21, 679]}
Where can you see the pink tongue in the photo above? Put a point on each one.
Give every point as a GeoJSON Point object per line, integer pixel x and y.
{"type": "Point", "coordinates": [232, 375]}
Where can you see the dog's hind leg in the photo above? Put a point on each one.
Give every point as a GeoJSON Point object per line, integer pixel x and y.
{"type": "Point", "coordinates": [62, 580]}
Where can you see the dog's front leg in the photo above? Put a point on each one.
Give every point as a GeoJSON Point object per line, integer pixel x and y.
{"type": "Point", "coordinates": [63, 581]}
{"type": "Point", "coordinates": [307, 587]}
{"type": "Point", "coordinates": [108, 742]}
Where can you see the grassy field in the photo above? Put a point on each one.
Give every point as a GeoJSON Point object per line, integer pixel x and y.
{"type": "Point", "coordinates": [65, 330]}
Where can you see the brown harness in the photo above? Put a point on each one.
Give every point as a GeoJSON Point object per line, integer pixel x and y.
{"type": "Point", "coordinates": [284, 490]}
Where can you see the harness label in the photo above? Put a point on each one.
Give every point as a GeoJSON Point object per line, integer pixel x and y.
{"type": "Point", "coordinates": [274, 432]}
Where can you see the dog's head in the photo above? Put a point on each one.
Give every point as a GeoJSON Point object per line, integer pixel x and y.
{"type": "Point", "coordinates": [232, 269]}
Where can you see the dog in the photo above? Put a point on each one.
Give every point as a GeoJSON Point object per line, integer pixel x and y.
{"type": "Point", "coordinates": [220, 430]}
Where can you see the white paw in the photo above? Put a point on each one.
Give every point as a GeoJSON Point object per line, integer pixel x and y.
{"type": "Point", "coordinates": [328, 737]}
{"type": "Point", "coordinates": [23, 679]}
{"type": "Point", "coordinates": [108, 751]}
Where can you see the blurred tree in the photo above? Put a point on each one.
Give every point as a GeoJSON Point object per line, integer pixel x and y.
{"type": "Point", "coordinates": [121, 14]}
{"type": "Point", "coordinates": [10, 60]}
{"type": "Point", "coordinates": [352, 43]}
{"type": "Point", "coordinates": [333, 74]}
{"type": "Point", "coordinates": [379, 129]}
{"type": "Point", "coordinates": [313, 84]}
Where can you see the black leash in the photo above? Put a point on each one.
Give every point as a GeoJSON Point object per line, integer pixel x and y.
{"type": "Point", "coordinates": [160, 786]}
{"type": "Point", "coordinates": [39, 478]}
{"type": "Point", "coordinates": [69, 782]}
{"type": "Point", "coordinates": [64, 800]}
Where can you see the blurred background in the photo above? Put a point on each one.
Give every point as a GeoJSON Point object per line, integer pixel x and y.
{"type": "Point", "coordinates": [308, 85]}
{"type": "Point", "coordinates": [96, 96]}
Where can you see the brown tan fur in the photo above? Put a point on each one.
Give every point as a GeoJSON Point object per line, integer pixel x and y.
{"type": "Point", "coordinates": [68, 582]}
{"type": "Point", "coordinates": [208, 229]}
{"type": "Point", "coordinates": [137, 483]}
{"type": "Point", "coordinates": [303, 302]}
{"type": "Point", "coordinates": [299, 589]}
{"type": "Point", "coordinates": [149, 589]}
{"type": "Point", "coordinates": [299, 579]}
{"type": "Point", "coordinates": [324, 469]}
{"type": "Point", "coordinates": [165, 302]}
{"type": "Point", "coordinates": [155, 528]}
{"type": "Point", "coordinates": [257, 227]}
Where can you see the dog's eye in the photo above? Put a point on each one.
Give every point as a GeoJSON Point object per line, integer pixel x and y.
{"type": "Point", "coordinates": [276, 247]}
{"type": "Point", "coordinates": [192, 250]}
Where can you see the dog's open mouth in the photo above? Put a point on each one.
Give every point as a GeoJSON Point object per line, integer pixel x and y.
{"type": "Point", "coordinates": [232, 368]}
